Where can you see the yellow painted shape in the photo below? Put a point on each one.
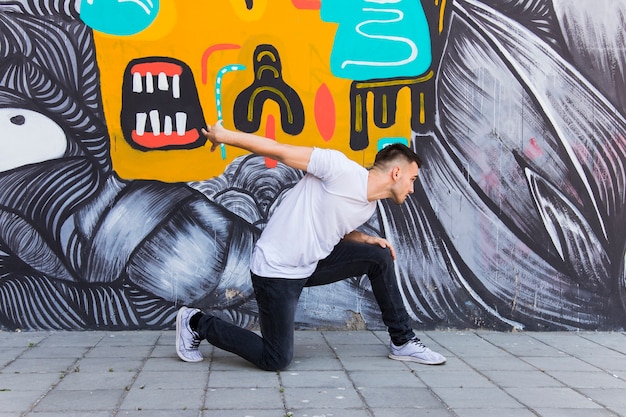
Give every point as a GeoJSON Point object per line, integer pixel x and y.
{"type": "Point", "coordinates": [185, 31]}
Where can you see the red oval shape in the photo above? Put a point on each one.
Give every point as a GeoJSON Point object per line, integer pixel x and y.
{"type": "Point", "coordinates": [325, 115]}
{"type": "Point", "coordinates": [270, 133]}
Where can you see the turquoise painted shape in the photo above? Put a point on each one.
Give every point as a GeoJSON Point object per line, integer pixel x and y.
{"type": "Point", "coordinates": [218, 93]}
{"type": "Point", "coordinates": [119, 17]}
{"type": "Point", "coordinates": [388, 141]}
{"type": "Point", "coordinates": [378, 39]}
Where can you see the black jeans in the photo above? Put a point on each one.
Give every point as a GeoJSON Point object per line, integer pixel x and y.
{"type": "Point", "coordinates": [277, 299]}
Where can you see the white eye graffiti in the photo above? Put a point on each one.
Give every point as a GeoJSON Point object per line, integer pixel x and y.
{"type": "Point", "coordinates": [28, 137]}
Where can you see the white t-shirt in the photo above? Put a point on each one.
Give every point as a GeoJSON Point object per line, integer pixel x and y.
{"type": "Point", "coordinates": [328, 203]}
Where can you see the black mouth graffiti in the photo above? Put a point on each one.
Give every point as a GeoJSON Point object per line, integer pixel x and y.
{"type": "Point", "coordinates": [160, 105]}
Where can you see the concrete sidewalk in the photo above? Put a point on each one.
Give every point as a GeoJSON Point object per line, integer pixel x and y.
{"type": "Point", "coordinates": [340, 374]}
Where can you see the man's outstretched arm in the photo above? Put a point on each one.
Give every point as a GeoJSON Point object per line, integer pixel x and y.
{"type": "Point", "coordinates": [294, 156]}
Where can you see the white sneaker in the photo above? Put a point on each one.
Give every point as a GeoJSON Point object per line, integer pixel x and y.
{"type": "Point", "coordinates": [187, 341]}
{"type": "Point", "coordinates": [415, 351]}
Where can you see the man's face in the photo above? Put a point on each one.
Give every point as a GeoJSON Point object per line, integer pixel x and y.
{"type": "Point", "coordinates": [405, 175]}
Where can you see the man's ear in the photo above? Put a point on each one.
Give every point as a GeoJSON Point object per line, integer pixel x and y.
{"type": "Point", "coordinates": [395, 173]}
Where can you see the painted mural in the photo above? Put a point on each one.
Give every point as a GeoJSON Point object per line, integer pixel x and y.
{"type": "Point", "coordinates": [114, 212]}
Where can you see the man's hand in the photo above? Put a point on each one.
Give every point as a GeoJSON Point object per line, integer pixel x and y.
{"type": "Point", "coordinates": [212, 132]}
{"type": "Point", "coordinates": [356, 236]}
{"type": "Point", "coordinates": [294, 156]}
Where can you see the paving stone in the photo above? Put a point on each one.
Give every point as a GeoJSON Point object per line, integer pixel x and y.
{"type": "Point", "coordinates": [386, 379]}
{"type": "Point", "coordinates": [315, 379]}
{"type": "Point", "coordinates": [461, 379]}
{"type": "Point", "coordinates": [548, 397]}
{"type": "Point", "coordinates": [62, 401]}
{"type": "Point", "coordinates": [244, 413]}
{"type": "Point", "coordinates": [243, 379]}
{"type": "Point", "coordinates": [469, 397]}
{"type": "Point", "coordinates": [243, 398]}
{"type": "Point", "coordinates": [522, 378]}
{"type": "Point", "coordinates": [160, 399]}
{"type": "Point", "coordinates": [322, 398]}
{"type": "Point", "coordinates": [404, 412]}
{"type": "Point", "coordinates": [396, 397]}
{"type": "Point", "coordinates": [330, 413]}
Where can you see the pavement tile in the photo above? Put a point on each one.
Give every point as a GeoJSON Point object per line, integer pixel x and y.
{"type": "Point", "coordinates": [331, 398]}
{"type": "Point", "coordinates": [386, 379]}
{"type": "Point", "coordinates": [549, 397]}
{"type": "Point", "coordinates": [577, 379]}
{"type": "Point", "coordinates": [39, 366]}
{"type": "Point", "coordinates": [469, 397]}
{"type": "Point", "coordinates": [127, 352]}
{"type": "Point", "coordinates": [243, 399]}
{"type": "Point", "coordinates": [452, 364]}
{"type": "Point", "coordinates": [522, 378]}
{"type": "Point", "coordinates": [171, 380]}
{"type": "Point", "coordinates": [167, 351]}
{"type": "Point", "coordinates": [21, 339]}
{"type": "Point", "coordinates": [612, 398]}
{"type": "Point", "coordinates": [173, 364]}
{"type": "Point", "coordinates": [396, 397]}
{"type": "Point", "coordinates": [61, 401]}
{"type": "Point", "coordinates": [565, 363]}
{"type": "Point", "coordinates": [279, 412]}
{"type": "Point", "coordinates": [155, 413]}
{"type": "Point", "coordinates": [495, 412]}
{"type": "Point", "coordinates": [365, 350]}
{"type": "Point", "coordinates": [131, 339]}
{"type": "Point", "coordinates": [404, 412]}
{"type": "Point", "coordinates": [16, 401]}
{"type": "Point", "coordinates": [572, 343]}
{"type": "Point", "coordinates": [100, 365]}
{"type": "Point", "coordinates": [503, 363]}
{"type": "Point", "coordinates": [519, 344]}
{"type": "Point", "coordinates": [8, 355]}
{"type": "Point", "coordinates": [575, 412]}
{"type": "Point", "coordinates": [613, 363]}
{"type": "Point", "coordinates": [466, 344]}
{"type": "Point", "coordinates": [345, 412]}
{"type": "Point", "coordinates": [315, 363]}
{"type": "Point", "coordinates": [159, 399]}
{"type": "Point", "coordinates": [315, 379]}
{"type": "Point", "coordinates": [456, 379]}
{"type": "Point", "coordinates": [90, 381]}
{"type": "Point", "coordinates": [338, 337]}
{"type": "Point", "coordinates": [613, 340]}
{"type": "Point", "coordinates": [243, 379]}
{"type": "Point", "coordinates": [26, 382]}
{"type": "Point", "coordinates": [71, 339]}
{"type": "Point", "coordinates": [303, 337]}
{"type": "Point", "coordinates": [361, 363]}
{"type": "Point", "coordinates": [310, 350]}
{"type": "Point", "coordinates": [54, 352]}
{"type": "Point", "coordinates": [70, 414]}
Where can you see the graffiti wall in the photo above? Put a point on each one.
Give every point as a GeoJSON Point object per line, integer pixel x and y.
{"type": "Point", "coordinates": [114, 212]}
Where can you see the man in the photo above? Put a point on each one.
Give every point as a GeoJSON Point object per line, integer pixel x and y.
{"type": "Point", "coordinates": [311, 239]}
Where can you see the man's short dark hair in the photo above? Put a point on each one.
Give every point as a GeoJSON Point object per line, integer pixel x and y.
{"type": "Point", "coordinates": [394, 151]}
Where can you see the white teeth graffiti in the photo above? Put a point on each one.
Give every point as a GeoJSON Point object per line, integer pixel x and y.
{"type": "Point", "coordinates": [160, 106]}
{"type": "Point", "coordinates": [180, 125]}
{"type": "Point", "coordinates": [163, 83]}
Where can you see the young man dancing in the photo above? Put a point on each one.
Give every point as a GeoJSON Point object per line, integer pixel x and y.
{"type": "Point", "coordinates": [311, 239]}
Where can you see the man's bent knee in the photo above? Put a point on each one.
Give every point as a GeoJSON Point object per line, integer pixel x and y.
{"type": "Point", "coordinates": [276, 361]}
{"type": "Point", "coordinates": [275, 364]}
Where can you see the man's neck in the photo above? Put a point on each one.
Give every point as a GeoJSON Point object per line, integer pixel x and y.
{"type": "Point", "coordinates": [377, 186]}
